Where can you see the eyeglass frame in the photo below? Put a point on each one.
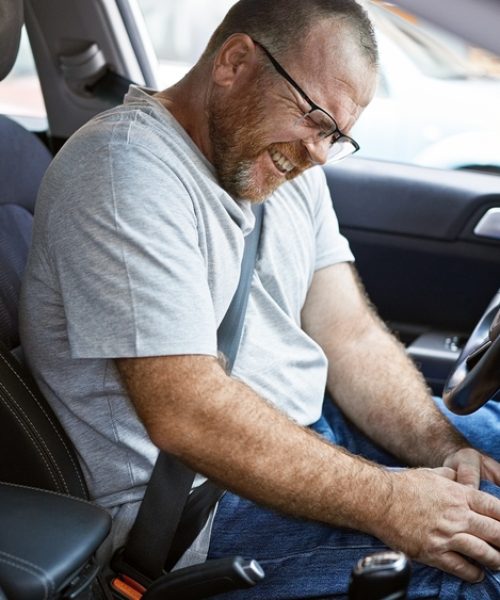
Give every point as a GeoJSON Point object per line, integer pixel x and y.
{"type": "Point", "coordinates": [336, 133]}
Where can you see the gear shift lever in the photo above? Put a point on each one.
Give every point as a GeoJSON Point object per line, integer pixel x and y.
{"type": "Point", "coordinates": [381, 576]}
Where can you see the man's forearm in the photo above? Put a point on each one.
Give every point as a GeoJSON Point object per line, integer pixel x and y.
{"type": "Point", "coordinates": [223, 429]}
{"type": "Point", "coordinates": [378, 388]}
{"type": "Point", "coordinates": [369, 374]}
{"type": "Point", "coordinates": [227, 432]}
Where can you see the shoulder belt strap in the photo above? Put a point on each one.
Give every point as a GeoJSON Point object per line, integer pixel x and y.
{"type": "Point", "coordinates": [170, 518]}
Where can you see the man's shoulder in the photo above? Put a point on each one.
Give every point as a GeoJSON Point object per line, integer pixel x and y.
{"type": "Point", "coordinates": [134, 143]}
{"type": "Point", "coordinates": [129, 125]}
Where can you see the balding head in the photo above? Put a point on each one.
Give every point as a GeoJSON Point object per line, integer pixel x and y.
{"type": "Point", "coordinates": [284, 25]}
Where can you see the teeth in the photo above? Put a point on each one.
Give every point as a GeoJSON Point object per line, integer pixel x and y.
{"type": "Point", "coordinates": [281, 161]}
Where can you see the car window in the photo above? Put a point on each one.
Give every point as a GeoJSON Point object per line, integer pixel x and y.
{"type": "Point", "coordinates": [20, 93]}
{"type": "Point", "coordinates": [436, 104]}
{"type": "Point", "coordinates": [432, 56]}
{"type": "Point", "coordinates": [180, 29]}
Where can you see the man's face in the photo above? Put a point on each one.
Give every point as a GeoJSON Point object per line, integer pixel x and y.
{"type": "Point", "coordinates": [250, 166]}
{"type": "Point", "coordinates": [256, 141]}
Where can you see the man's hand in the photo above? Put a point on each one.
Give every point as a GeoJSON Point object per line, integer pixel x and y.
{"type": "Point", "coordinates": [471, 466]}
{"type": "Point", "coordinates": [443, 523]}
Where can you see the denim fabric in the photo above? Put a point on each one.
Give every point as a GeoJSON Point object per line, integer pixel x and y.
{"type": "Point", "coordinates": [481, 428]}
{"type": "Point", "coordinates": [304, 559]}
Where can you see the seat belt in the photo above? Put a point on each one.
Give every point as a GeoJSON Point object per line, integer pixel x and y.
{"type": "Point", "coordinates": [170, 517]}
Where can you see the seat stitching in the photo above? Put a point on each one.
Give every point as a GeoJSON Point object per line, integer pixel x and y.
{"type": "Point", "coordinates": [70, 456]}
{"type": "Point", "coordinates": [40, 439]}
{"type": "Point", "coordinates": [34, 441]}
{"type": "Point", "coordinates": [21, 563]}
{"type": "Point", "coordinates": [28, 564]}
{"type": "Point", "coordinates": [54, 493]}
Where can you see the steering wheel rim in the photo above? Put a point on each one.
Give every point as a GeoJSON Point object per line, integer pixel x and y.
{"type": "Point", "coordinates": [475, 378]}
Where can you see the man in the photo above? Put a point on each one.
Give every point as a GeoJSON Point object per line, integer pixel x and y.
{"type": "Point", "coordinates": [137, 246]}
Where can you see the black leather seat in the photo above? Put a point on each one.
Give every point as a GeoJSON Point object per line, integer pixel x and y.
{"type": "Point", "coordinates": [46, 544]}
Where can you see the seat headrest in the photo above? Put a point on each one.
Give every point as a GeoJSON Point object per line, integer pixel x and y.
{"type": "Point", "coordinates": [11, 20]}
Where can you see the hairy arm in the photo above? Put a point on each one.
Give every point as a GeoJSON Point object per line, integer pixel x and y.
{"type": "Point", "coordinates": [370, 376]}
{"type": "Point", "coordinates": [221, 428]}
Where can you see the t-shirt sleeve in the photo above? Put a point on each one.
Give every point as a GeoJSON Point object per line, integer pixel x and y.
{"type": "Point", "coordinates": [128, 261]}
{"type": "Point", "coordinates": [331, 246]}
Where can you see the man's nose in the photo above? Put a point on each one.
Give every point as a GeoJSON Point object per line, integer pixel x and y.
{"type": "Point", "coordinates": [318, 150]}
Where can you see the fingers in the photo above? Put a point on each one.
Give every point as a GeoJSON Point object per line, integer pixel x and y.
{"type": "Point", "coordinates": [480, 541]}
{"type": "Point", "coordinates": [491, 469]}
{"type": "Point", "coordinates": [467, 463]}
{"type": "Point", "coordinates": [469, 473]}
{"type": "Point", "coordinates": [470, 466]}
{"type": "Point", "coordinates": [454, 527]}
{"type": "Point", "coordinates": [484, 504]}
{"type": "Point", "coordinates": [474, 545]}
{"type": "Point", "coordinates": [457, 565]}
{"type": "Point", "coordinates": [486, 529]}
{"type": "Point", "coordinates": [477, 549]}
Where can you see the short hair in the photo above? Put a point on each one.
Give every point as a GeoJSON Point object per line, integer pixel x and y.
{"type": "Point", "coordinates": [278, 24]}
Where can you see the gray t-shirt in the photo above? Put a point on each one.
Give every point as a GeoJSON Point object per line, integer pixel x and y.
{"type": "Point", "coordinates": [136, 252]}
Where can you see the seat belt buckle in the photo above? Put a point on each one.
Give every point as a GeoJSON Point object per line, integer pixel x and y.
{"type": "Point", "coordinates": [126, 588]}
{"type": "Point", "coordinates": [127, 583]}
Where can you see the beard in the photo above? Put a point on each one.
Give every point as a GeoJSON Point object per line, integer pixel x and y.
{"type": "Point", "coordinates": [236, 134]}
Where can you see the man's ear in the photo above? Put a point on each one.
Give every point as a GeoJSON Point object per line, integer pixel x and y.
{"type": "Point", "coordinates": [235, 58]}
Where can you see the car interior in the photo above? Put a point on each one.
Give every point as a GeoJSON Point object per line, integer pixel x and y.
{"type": "Point", "coordinates": [427, 249]}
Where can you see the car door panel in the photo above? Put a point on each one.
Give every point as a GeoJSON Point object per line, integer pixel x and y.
{"type": "Point", "coordinates": [412, 233]}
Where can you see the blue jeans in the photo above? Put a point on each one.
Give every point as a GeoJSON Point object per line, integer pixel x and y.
{"type": "Point", "coordinates": [481, 428]}
{"type": "Point", "coordinates": [305, 559]}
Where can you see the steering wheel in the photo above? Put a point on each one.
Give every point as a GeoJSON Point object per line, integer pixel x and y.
{"type": "Point", "coordinates": [475, 378]}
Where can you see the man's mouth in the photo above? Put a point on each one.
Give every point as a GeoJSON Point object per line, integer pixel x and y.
{"type": "Point", "coordinates": [281, 162]}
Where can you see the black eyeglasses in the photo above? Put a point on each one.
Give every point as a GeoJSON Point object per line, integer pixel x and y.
{"type": "Point", "coordinates": [324, 124]}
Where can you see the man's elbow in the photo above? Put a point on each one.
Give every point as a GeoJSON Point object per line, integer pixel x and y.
{"type": "Point", "coordinates": [175, 398]}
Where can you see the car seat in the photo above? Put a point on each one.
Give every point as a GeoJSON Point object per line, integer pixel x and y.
{"type": "Point", "coordinates": [28, 429]}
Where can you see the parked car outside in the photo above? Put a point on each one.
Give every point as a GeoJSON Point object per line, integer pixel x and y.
{"type": "Point", "coordinates": [434, 107]}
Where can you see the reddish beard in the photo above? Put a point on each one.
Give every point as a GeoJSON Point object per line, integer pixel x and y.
{"type": "Point", "coordinates": [236, 134]}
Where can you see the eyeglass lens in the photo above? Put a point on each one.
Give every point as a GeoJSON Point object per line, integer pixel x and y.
{"type": "Point", "coordinates": [340, 145]}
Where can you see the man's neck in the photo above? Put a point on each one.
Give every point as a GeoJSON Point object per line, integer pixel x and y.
{"type": "Point", "coordinates": [186, 101]}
